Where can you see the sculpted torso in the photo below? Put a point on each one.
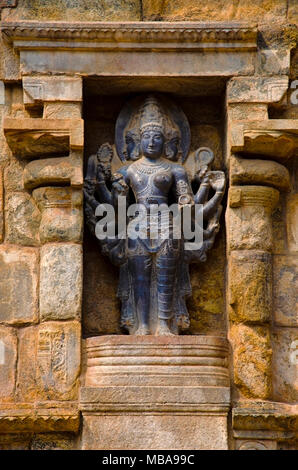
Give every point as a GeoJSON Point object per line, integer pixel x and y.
{"type": "Point", "coordinates": [152, 182]}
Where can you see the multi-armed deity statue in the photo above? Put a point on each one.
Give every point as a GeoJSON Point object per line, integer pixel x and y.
{"type": "Point", "coordinates": [152, 145]}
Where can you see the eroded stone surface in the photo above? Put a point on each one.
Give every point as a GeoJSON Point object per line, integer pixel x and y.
{"type": "Point", "coordinates": [22, 219]}
{"type": "Point", "coordinates": [48, 89]}
{"type": "Point", "coordinates": [154, 432]}
{"type": "Point", "coordinates": [243, 111]}
{"type": "Point", "coordinates": [1, 205]}
{"type": "Point", "coordinates": [285, 364]}
{"type": "Point", "coordinates": [252, 360]}
{"type": "Point", "coordinates": [249, 223]}
{"type": "Point", "coordinates": [62, 111]}
{"type": "Point", "coordinates": [8, 361]}
{"type": "Point", "coordinates": [62, 214]}
{"type": "Point", "coordinates": [256, 90]}
{"type": "Point", "coordinates": [13, 175]}
{"type": "Point", "coordinates": [50, 441]}
{"type": "Point", "coordinates": [26, 389]}
{"type": "Point", "coordinates": [279, 227]}
{"type": "Point", "coordinates": [250, 290]}
{"type": "Point", "coordinates": [49, 170]}
{"type": "Point", "coordinates": [190, 10]}
{"type": "Point", "coordinates": [81, 10]}
{"type": "Point", "coordinates": [292, 222]}
{"type": "Point", "coordinates": [58, 360]}
{"type": "Point", "coordinates": [206, 304]}
{"type": "Point", "coordinates": [18, 285]}
{"type": "Point", "coordinates": [285, 289]}
{"type": "Point", "coordinates": [273, 62]}
{"type": "Point", "coordinates": [129, 379]}
{"type": "Point", "coordinates": [60, 282]}
{"type": "Point", "coordinates": [49, 362]}
{"type": "Point", "coordinates": [251, 171]}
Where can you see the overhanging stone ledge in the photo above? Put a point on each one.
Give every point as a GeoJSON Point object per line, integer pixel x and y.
{"type": "Point", "coordinates": [134, 49]}
{"type": "Point", "coordinates": [226, 33]}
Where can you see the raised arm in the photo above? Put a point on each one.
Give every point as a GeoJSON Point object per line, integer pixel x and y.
{"type": "Point", "coordinates": [217, 183]}
{"type": "Point", "coordinates": [182, 186]}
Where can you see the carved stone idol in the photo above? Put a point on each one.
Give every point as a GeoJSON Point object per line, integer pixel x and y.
{"type": "Point", "coordinates": [152, 136]}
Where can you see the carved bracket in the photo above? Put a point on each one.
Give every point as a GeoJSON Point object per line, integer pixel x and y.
{"type": "Point", "coordinates": [29, 138]}
{"type": "Point", "coordinates": [274, 138]}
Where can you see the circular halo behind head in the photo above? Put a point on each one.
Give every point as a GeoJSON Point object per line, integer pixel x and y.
{"type": "Point", "coordinates": [156, 111]}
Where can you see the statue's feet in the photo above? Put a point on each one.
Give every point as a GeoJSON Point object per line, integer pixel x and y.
{"type": "Point", "coordinates": [163, 329]}
{"type": "Point", "coordinates": [142, 330]}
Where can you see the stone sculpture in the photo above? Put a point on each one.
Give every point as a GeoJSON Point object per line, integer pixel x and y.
{"type": "Point", "coordinates": [152, 141]}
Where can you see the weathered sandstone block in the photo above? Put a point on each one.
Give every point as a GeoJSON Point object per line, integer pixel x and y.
{"type": "Point", "coordinates": [152, 431]}
{"type": "Point", "coordinates": [49, 89]}
{"type": "Point", "coordinates": [155, 392]}
{"type": "Point", "coordinates": [256, 89]}
{"type": "Point", "coordinates": [250, 286]}
{"type": "Point", "coordinates": [26, 388]}
{"type": "Point", "coordinates": [60, 282]}
{"type": "Point", "coordinates": [251, 171]}
{"type": "Point", "coordinates": [54, 441]}
{"type": "Point", "coordinates": [285, 289]}
{"type": "Point", "coordinates": [13, 175]}
{"type": "Point", "coordinates": [1, 205]}
{"type": "Point", "coordinates": [36, 137]}
{"type": "Point", "coordinates": [8, 360]}
{"type": "Point", "coordinates": [62, 216]}
{"type": "Point", "coordinates": [273, 62]}
{"type": "Point", "coordinates": [249, 223]}
{"type": "Point", "coordinates": [190, 10]}
{"type": "Point", "coordinates": [47, 171]}
{"type": "Point", "coordinates": [279, 228]}
{"type": "Point", "coordinates": [80, 10]}
{"type": "Point", "coordinates": [243, 111]}
{"type": "Point", "coordinates": [292, 222]}
{"type": "Point", "coordinates": [22, 219]}
{"type": "Point", "coordinates": [285, 364]}
{"type": "Point", "coordinates": [58, 359]}
{"type": "Point", "coordinates": [49, 362]}
{"type": "Point", "coordinates": [274, 139]}
{"type": "Point", "coordinates": [252, 360]}
{"type": "Point", "coordinates": [62, 111]}
{"type": "Point", "coordinates": [18, 285]}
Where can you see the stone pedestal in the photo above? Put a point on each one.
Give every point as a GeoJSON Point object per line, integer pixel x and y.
{"type": "Point", "coordinates": [148, 392]}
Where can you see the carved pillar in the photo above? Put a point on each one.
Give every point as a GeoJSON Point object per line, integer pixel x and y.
{"type": "Point", "coordinates": [49, 353]}
{"type": "Point", "coordinates": [249, 228]}
{"type": "Point", "coordinates": [256, 149]}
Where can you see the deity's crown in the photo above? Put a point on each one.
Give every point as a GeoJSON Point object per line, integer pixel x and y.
{"type": "Point", "coordinates": [151, 115]}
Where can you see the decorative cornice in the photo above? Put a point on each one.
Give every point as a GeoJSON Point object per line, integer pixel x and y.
{"type": "Point", "coordinates": [142, 33]}
{"type": "Point", "coordinates": [38, 420]}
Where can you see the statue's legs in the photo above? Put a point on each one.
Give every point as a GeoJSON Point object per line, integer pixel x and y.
{"type": "Point", "coordinates": [166, 267]}
{"type": "Point", "coordinates": [140, 269]}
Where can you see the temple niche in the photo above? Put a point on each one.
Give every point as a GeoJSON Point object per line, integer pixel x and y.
{"type": "Point", "coordinates": [108, 346]}
{"type": "Point", "coordinates": [203, 105]}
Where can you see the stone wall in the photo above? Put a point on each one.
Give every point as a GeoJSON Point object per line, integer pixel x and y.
{"type": "Point", "coordinates": [248, 291]}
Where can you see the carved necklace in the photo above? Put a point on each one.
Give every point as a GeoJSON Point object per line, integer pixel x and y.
{"type": "Point", "coordinates": [150, 168]}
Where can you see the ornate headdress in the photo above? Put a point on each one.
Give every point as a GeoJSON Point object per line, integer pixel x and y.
{"type": "Point", "coordinates": [151, 115]}
{"type": "Point", "coordinates": [156, 112]}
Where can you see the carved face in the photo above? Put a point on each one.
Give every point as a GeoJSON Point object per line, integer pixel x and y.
{"type": "Point", "coordinates": [152, 143]}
